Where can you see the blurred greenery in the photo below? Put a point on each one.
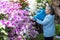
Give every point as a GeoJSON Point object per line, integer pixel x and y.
{"type": "Point", "coordinates": [39, 1]}
{"type": "Point", "coordinates": [58, 29]}
{"type": "Point", "coordinates": [40, 37]}
{"type": "Point", "coordinates": [24, 4]}
{"type": "Point", "coordinates": [1, 16]}
{"type": "Point", "coordinates": [42, 2]}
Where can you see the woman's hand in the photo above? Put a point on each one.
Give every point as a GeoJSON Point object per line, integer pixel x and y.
{"type": "Point", "coordinates": [38, 21]}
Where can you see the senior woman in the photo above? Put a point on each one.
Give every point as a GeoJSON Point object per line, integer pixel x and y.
{"type": "Point", "coordinates": [48, 23]}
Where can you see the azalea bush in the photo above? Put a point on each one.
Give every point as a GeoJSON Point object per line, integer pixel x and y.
{"type": "Point", "coordinates": [17, 24]}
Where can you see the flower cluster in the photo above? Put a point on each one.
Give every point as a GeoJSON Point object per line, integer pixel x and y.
{"type": "Point", "coordinates": [17, 19]}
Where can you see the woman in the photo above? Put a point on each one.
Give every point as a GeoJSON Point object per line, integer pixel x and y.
{"type": "Point", "coordinates": [48, 24]}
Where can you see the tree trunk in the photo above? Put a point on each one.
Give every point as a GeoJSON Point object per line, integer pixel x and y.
{"type": "Point", "coordinates": [56, 6]}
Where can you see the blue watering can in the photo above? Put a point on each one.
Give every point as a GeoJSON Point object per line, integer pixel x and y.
{"type": "Point", "coordinates": [40, 14]}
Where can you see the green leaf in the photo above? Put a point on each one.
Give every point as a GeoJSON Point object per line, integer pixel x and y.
{"type": "Point", "coordinates": [1, 16]}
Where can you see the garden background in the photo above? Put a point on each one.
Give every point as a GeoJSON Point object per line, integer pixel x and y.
{"type": "Point", "coordinates": [16, 19]}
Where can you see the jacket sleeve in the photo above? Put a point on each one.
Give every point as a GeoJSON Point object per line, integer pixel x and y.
{"type": "Point", "coordinates": [45, 21]}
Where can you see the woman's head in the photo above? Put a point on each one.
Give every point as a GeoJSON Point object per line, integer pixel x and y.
{"type": "Point", "coordinates": [49, 10]}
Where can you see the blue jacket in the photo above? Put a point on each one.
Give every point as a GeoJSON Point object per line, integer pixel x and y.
{"type": "Point", "coordinates": [40, 14]}
{"type": "Point", "coordinates": [48, 25]}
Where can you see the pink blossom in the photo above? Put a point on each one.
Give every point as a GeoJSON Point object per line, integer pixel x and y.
{"type": "Point", "coordinates": [17, 19]}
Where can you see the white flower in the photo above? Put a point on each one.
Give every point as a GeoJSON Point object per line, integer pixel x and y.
{"type": "Point", "coordinates": [21, 33]}
{"type": "Point", "coordinates": [31, 17]}
{"type": "Point", "coordinates": [3, 31]}
{"type": "Point", "coordinates": [2, 12]}
{"type": "Point", "coordinates": [25, 30]}
{"type": "Point", "coordinates": [2, 26]}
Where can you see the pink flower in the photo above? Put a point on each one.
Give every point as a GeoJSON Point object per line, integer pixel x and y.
{"type": "Point", "coordinates": [17, 19]}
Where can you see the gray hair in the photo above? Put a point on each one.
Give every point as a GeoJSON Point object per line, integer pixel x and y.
{"type": "Point", "coordinates": [51, 8]}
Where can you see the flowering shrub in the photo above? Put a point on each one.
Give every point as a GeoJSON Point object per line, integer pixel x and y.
{"type": "Point", "coordinates": [16, 21]}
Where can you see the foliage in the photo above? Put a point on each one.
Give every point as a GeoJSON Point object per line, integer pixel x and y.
{"type": "Point", "coordinates": [24, 3]}
{"type": "Point", "coordinates": [58, 29]}
{"type": "Point", "coordinates": [41, 3]}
